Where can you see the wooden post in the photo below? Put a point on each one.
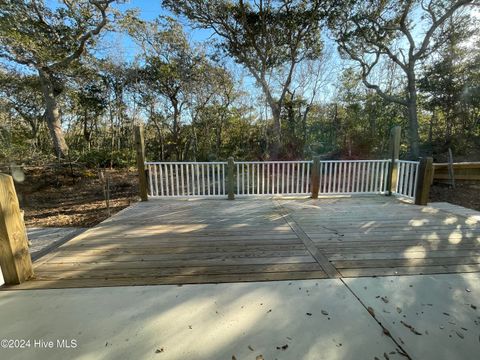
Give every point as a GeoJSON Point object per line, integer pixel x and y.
{"type": "Point", "coordinates": [425, 169]}
{"type": "Point", "coordinates": [315, 178]}
{"type": "Point", "coordinates": [392, 175]}
{"type": "Point", "coordinates": [15, 258]}
{"type": "Point", "coordinates": [230, 178]}
{"type": "Point", "coordinates": [142, 176]}
{"type": "Point", "coordinates": [451, 174]}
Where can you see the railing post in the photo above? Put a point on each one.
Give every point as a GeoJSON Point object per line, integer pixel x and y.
{"type": "Point", "coordinates": [315, 178]}
{"type": "Point", "coordinates": [230, 178]}
{"type": "Point", "coordinates": [392, 176]}
{"type": "Point", "coordinates": [140, 149]}
{"type": "Point", "coordinates": [425, 170]}
{"type": "Point", "coordinates": [15, 258]}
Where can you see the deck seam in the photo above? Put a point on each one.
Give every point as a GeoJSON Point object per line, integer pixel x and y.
{"type": "Point", "coordinates": [319, 257]}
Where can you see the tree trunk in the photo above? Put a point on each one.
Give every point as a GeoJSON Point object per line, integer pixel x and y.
{"type": "Point", "coordinates": [413, 116]}
{"type": "Point", "coordinates": [176, 128]}
{"type": "Point", "coordinates": [277, 137]}
{"type": "Point", "coordinates": [430, 128]}
{"type": "Point", "coordinates": [52, 115]}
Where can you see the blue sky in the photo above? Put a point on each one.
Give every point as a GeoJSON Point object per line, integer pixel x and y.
{"type": "Point", "coordinates": [148, 10]}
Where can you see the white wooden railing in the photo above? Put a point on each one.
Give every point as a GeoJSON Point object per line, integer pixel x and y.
{"type": "Point", "coordinates": [186, 178]}
{"type": "Point", "coordinates": [272, 178]}
{"type": "Point", "coordinates": [353, 176]}
{"type": "Point", "coordinates": [254, 178]}
{"type": "Point", "coordinates": [407, 178]}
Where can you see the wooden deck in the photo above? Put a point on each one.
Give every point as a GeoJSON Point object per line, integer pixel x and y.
{"type": "Point", "coordinates": [210, 241]}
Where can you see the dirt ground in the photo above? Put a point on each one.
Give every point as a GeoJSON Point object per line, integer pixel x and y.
{"type": "Point", "coordinates": [465, 194]}
{"type": "Point", "coordinates": [73, 198]}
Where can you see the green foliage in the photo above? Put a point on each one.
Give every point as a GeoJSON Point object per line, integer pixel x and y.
{"type": "Point", "coordinates": [104, 158]}
{"type": "Point", "coordinates": [195, 107]}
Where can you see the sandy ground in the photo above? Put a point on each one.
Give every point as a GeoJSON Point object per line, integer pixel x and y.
{"type": "Point", "coordinates": [43, 240]}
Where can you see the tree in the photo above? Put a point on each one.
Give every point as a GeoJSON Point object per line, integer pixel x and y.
{"type": "Point", "coordinates": [23, 94]}
{"type": "Point", "coordinates": [269, 38]}
{"type": "Point", "coordinates": [450, 85]}
{"type": "Point", "coordinates": [400, 32]}
{"type": "Point", "coordinates": [171, 66]}
{"type": "Point", "coordinates": [50, 42]}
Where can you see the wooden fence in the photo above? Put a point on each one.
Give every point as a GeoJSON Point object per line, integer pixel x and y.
{"type": "Point", "coordinates": [461, 171]}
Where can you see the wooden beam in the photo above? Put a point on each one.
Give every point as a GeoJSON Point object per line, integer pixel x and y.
{"type": "Point", "coordinates": [315, 178]}
{"type": "Point", "coordinates": [395, 135]}
{"type": "Point", "coordinates": [425, 170]}
{"type": "Point", "coordinates": [140, 149]}
{"type": "Point", "coordinates": [230, 178]}
{"type": "Point", "coordinates": [15, 258]}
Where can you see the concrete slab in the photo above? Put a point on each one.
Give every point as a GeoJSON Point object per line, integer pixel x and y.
{"type": "Point", "coordinates": [431, 316]}
{"type": "Point", "coordinates": [275, 320]}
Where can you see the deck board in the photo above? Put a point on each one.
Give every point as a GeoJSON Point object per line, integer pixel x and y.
{"type": "Point", "coordinates": [198, 241]}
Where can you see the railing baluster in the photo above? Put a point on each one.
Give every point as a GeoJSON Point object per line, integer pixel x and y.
{"type": "Point", "coordinates": [161, 178]}
{"type": "Point", "coordinates": [243, 179]}
{"type": "Point", "coordinates": [308, 178]}
{"type": "Point", "coordinates": [208, 179]}
{"type": "Point", "coordinates": [156, 179]}
{"type": "Point", "coordinates": [223, 180]}
{"type": "Point", "coordinates": [349, 168]}
{"type": "Point", "coordinates": [263, 178]}
{"type": "Point", "coordinates": [176, 179]}
{"type": "Point", "coordinates": [282, 189]}
{"type": "Point", "coordinates": [328, 177]}
{"type": "Point", "coordinates": [248, 179]}
{"type": "Point", "coordinates": [411, 181]}
{"type": "Point", "coordinates": [268, 178]}
{"type": "Point", "coordinates": [167, 185]}
{"type": "Point", "coordinates": [400, 179]}
{"type": "Point", "coordinates": [416, 166]}
{"type": "Point", "coordinates": [258, 179]}
{"type": "Point", "coordinates": [367, 177]}
{"type": "Point", "coordinates": [302, 180]}
{"type": "Point", "coordinates": [187, 177]}
{"type": "Point", "coordinates": [334, 185]}
{"type": "Point", "coordinates": [182, 180]}
{"type": "Point", "coordinates": [286, 190]}
{"type": "Point", "coordinates": [277, 177]}
{"type": "Point", "coordinates": [238, 179]}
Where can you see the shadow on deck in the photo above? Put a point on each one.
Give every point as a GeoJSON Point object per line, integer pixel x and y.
{"type": "Point", "coordinates": [213, 241]}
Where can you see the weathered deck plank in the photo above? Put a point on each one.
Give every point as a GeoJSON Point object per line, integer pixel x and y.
{"type": "Point", "coordinates": [213, 241]}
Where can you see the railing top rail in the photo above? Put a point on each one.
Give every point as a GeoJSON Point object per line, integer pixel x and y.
{"type": "Point", "coordinates": [275, 162]}
{"type": "Point", "coordinates": [265, 162]}
{"type": "Point", "coordinates": [186, 162]}
{"type": "Point", "coordinates": [357, 161]}
{"type": "Point", "coordinates": [408, 161]}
